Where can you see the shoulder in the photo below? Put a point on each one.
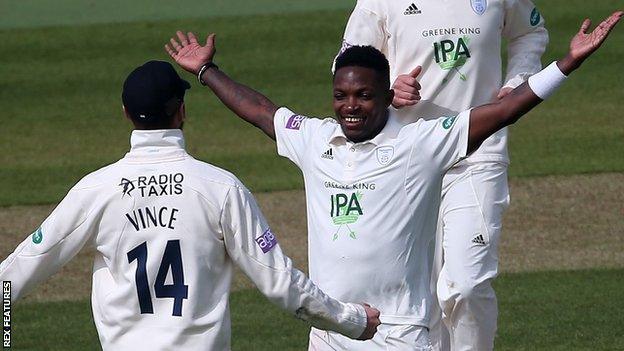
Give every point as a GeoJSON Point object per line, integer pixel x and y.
{"type": "Point", "coordinates": [376, 6]}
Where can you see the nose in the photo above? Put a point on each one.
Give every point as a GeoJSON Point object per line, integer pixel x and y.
{"type": "Point", "coordinates": [352, 104]}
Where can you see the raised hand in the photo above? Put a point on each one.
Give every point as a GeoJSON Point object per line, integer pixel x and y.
{"type": "Point", "coordinates": [406, 89]}
{"type": "Point", "coordinates": [372, 322]}
{"type": "Point", "coordinates": [188, 53]}
{"type": "Point", "coordinates": [584, 44]}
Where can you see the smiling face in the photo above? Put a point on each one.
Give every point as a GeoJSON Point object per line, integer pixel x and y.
{"type": "Point", "coordinates": [361, 100]}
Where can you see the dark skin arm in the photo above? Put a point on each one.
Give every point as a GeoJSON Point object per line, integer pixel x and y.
{"type": "Point", "coordinates": [487, 119]}
{"type": "Point", "coordinates": [247, 103]}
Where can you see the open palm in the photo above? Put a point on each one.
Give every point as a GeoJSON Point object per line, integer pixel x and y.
{"type": "Point", "coordinates": [584, 44]}
{"type": "Point", "coordinates": [188, 53]}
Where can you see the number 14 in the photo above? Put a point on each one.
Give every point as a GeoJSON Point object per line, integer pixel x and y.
{"type": "Point", "coordinates": [172, 258]}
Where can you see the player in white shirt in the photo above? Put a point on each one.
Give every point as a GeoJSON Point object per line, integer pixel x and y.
{"type": "Point", "coordinates": [167, 230]}
{"type": "Point", "coordinates": [457, 46]}
{"type": "Point", "coordinates": [373, 185]}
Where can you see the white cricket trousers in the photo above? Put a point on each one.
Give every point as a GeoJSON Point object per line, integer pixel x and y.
{"type": "Point", "coordinates": [474, 198]}
{"type": "Point", "coordinates": [389, 337]}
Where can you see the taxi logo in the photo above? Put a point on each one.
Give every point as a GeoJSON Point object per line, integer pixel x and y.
{"type": "Point", "coordinates": [478, 6]}
{"type": "Point", "coordinates": [294, 122]}
{"type": "Point", "coordinates": [384, 155]}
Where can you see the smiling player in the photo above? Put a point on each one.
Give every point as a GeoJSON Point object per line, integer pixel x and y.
{"type": "Point", "coordinates": [373, 186]}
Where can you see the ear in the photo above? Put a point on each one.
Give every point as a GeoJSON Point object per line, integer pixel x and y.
{"type": "Point", "coordinates": [180, 116]}
{"type": "Point", "coordinates": [126, 114]}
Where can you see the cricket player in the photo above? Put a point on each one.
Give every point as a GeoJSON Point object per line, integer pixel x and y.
{"type": "Point", "coordinates": [457, 46]}
{"type": "Point", "coordinates": [167, 230]}
{"type": "Point", "coordinates": [373, 185]}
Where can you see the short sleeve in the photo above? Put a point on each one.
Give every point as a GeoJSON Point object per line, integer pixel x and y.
{"type": "Point", "coordinates": [445, 140]}
{"type": "Point", "coordinates": [293, 133]}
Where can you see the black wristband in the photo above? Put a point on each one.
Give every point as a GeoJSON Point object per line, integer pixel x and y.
{"type": "Point", "coordinates": [203, 69]}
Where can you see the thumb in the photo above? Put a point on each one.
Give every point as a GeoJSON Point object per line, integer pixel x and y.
{"type": "Point", "coordinates": [210, 41]}
{"type": "Point", "coordinates": [415, 72]}
{"type": "Point", "coordinates": [585, 26]}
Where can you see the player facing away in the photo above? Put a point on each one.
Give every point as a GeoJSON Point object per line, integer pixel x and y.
{"type": "Point", "coordinates": [372, 185]}
{"type": "Point", "coordinates": [167, 230]}
{"type": "Point", "coordinates": [457, 46]}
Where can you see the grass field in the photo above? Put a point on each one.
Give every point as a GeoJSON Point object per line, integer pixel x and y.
{"type": "Point", "coordinates": [62, 67]}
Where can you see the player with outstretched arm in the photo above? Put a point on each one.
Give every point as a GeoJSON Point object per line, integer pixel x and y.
{"type": "Point", "coordinates": [445, 57]}
{"type": "Point", "coordinates": [167, 230]}
{"type": "Point", "coordinates": [373, 186]}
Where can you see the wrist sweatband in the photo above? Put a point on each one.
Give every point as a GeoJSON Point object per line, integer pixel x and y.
{"type": "Point", "coordinates": [545, 82]}
{"type": "Point", "coordinates": [203, 69]}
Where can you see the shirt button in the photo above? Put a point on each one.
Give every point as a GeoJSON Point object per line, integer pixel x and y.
{"type": "Point", "coordinates": [352, 149]}
{"type": "Point", "coordinates": [349, 164]}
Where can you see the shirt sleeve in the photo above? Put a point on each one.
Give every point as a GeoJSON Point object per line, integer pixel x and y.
{"type": "Point", "coordinates": [293, 134]}
{"type": "Point", "coordinates": [444, 140]}
{"type": "Point", "coordinates": [61, 236]}
{"type": "Point", "coordinates": [527, 40]}
{"type": "Point", "coordinates": [254, 248]}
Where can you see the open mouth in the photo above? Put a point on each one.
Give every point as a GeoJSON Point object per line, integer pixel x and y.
{"type": "Point", "coordinates": [353, 121]}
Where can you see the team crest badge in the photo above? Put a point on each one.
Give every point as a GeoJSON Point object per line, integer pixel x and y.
{"type": "Point", "coordinates": [384, 155]}
{"type": "Point", "coordinates": [479, 6]}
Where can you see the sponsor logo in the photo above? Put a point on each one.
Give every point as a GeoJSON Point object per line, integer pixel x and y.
{"type": "Point", "coordinates": [6, 314]}
{"type": "Point", "coordinates": [535, 17]}
{"type": "Point", "coordinates": [438, 32]}
{"type": "Point", "coordinates": [344, 47]}
{"type": "Point", "coordinates": [266, 241]}
{"type": "Point", "coordinates": [412, 10]}
{"type": "Point", "coordinates": [479, 240]}
{"type": "Point", "coordinates": [448, 122]}
{"type": "Point", "coordinates": [294, 122]}
{"type": "Point", "coordinates": [478, 6]}
{"type": "Point", "coordinates": [329, 154]}
{"type": "Point", "coordinates": [450, 55]}
{"type": "Point", "coordinates": [346, 209]}
{"type": "Point", "coordinates": [384, 155]}
{"type": "Point", "coordinates": [37, 236]}
{"type": "Point", "coordinates": [355, 186]}
{"type": "Point", "coordinates": [126, 186]}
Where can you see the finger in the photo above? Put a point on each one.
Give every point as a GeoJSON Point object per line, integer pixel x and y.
{"type": "Point", "coordinates": [192, 38]}
{"type": "Point", "coordinates": [170, 51]}
{"type": "Point", "coordinates": [406, 96]}
{"type": "Point", "coordinates": [585, 26]}
{"type": "Point", "coordinates": [399, 102]}
{"type": "Point", "coordinates": [407, 86]}
{"type": "Point", "coordinates": [175, 44]}
{"type": "Point", "coordinates": [183, 38]}
{"type": "Point", "coordinates": [210, 41]}
{"type": "Point", "coordinates": [415, 72]}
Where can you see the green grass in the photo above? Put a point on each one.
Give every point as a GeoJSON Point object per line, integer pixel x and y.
{"type": "Point", "coordinates": [575, 310]}
{"type": "Point", "coordinates": [60, 97]}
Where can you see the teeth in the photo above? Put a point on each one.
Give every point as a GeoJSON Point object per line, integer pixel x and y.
{"type": "Point", "coordinates": [352, 119]}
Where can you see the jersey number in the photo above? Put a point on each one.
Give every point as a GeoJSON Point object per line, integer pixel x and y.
{"type": "Point", "coordinates": [172, 259]}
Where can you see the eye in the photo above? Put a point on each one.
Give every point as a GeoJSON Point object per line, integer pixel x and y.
{"type": "Point", "coordinates": [365, 95]}
{"type": "Point", "coordinates": [339, 95]}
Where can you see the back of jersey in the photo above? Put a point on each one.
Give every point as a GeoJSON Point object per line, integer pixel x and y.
{"type": "Point", "coordinates": [161, 274]}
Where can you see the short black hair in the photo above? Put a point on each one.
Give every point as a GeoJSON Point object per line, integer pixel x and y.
{"type": "Point", "coordinates": [365, 56]}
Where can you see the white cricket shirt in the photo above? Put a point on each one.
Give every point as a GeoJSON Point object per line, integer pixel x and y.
{"type": "Point", "coordinates": [167, 230]}
{"type": "Point", "coordinates": [373, 206]}
{"type": "Point", "coordinates": [458, 44]}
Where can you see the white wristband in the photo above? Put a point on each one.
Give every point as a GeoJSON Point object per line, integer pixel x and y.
{"type": "Point", "coordinates": [545, 82]}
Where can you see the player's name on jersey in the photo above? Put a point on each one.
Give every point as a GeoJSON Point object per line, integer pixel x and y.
{"type": "Point", "coordinates": [450, 31]}
{"type": "Point", "coordinates": [152, 217]}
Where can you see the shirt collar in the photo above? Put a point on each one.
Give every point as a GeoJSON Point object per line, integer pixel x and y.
{"type": "Point", "coordinates": [156, 146]}
{"type": "Point", "coordinates": [141, 140]}
{"type": "Point", "coordinates": [389, 131]}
